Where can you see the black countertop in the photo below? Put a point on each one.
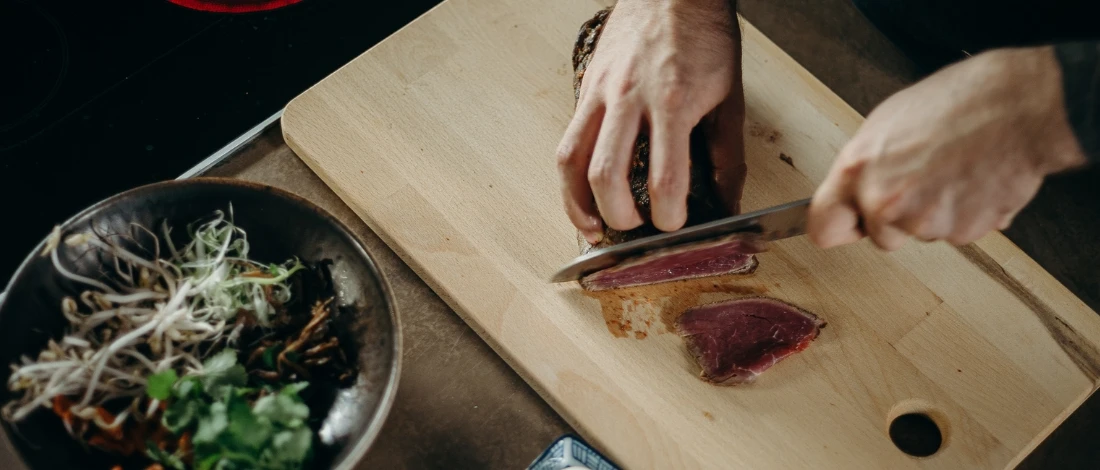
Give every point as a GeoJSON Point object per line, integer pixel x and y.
{"type": "Point", "coordinates": [98, 97]}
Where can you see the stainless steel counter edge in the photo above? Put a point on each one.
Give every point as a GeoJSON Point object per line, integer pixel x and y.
{"type": "Point", "coordinates": [232, 147]}
{"type": "Point", "coordinates": [219, 156]}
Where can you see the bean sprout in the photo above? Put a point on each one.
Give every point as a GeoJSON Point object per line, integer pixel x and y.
{"type": "Point", "coordinates": [154, 314]}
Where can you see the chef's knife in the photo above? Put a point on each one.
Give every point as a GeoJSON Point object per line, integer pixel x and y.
{"type": "Point", "coordinates": [782, 221]}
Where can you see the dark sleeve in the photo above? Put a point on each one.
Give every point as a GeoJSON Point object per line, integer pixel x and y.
{"type": "Point", "coordinates": [1080, 63]}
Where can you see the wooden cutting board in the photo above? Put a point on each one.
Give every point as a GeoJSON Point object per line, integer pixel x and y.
{"type": "Point", "coordinates": [442, 138]}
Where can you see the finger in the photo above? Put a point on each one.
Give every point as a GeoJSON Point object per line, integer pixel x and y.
{"type": "Point", "coordinates": [669, 171]}
{"type": "Point", "coordinates": [975, 228]}
{"type": "Point", "coordinates": [939, 223]}
{"type": "Point", "coordinates": [1025, 192]}
{"type": "Point", "coordinates": [887, 237]}
{"type": "Point", "coordinates": [726, 141]}
{"type": "Point", "coordinates": [978, 215]}
{"type": "Point", "coordinates": [574, 154]}
{"type": "Point", "coordinates": [932, 223]}
{"type": "Point", "coordinates": [833, 218]}
{"type": "Point", "coordinates": [609, 171]}
{"type": "Point", "coordinates": [882, 203]}
{"type": "Point", "coordinates": [883, 207]}
{"type": "Point", "coordinates": [1006, 219]}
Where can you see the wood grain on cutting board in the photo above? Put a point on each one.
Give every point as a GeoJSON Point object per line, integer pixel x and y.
{"type": "Point", "coordinates": [442, 139]}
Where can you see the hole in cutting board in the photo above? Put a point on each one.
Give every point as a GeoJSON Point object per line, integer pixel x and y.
{"type": "Point", "coordinates": [917, 428]}
{"type": "Point", "coordinates": [916, 434]}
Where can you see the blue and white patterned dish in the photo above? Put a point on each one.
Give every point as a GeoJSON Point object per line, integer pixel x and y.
{"type": "Point", "coordinates": [570, 451]}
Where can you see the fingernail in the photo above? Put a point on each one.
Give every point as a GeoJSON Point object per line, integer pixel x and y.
{"type": "Point", "coordinates": [593, 229]}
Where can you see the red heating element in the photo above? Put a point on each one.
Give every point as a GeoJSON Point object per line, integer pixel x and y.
{"type": "Point", "coordinates": [234, 6]}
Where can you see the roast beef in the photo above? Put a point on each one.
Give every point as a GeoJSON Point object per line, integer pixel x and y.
{"type": "Point", "coordinates": [733, 254]}
{"type": "Point", "coordinates": [704, 204]}
{"type": "Point", "coordinates": [737, 340]}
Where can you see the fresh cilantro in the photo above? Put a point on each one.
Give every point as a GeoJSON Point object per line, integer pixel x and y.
{"type": "Point", "coordinates": [288, 447]}
{"type": "Point", "coordinates": [187, 387]}
{"type": "Point", "coordinates": [282, 409]}
{"type": "Point", "coordinates": [294, 388]}
{"type": "Point", "coordinates": [209, 462]}
{"type": "Point", "coordinates": [221, 371]}
{"type": "Point", "coordinates": [246, 430]}
{"type": "Point", "coordinates": [271, 354]}
{"type": "Point", "coordinates": [162, 457]}
{"type": "Point", "coordinates": [229, 430]}
{"type": "Point", "coordinates": [219, 362]}
{"type": "Point", "coordinates": [212, 424]}
{"type": "Point", "coordinates": [159, 385]}
{"type": "Point", "coordinates": [181, 414]}
{"type": "Point", "coordinates": [220, 386]}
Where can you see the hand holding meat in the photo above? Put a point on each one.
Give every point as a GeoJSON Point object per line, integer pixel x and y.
{"type": "Point", "coordinates": [662, 67]}
{"type": "Point", "coordinates": [951, 158]}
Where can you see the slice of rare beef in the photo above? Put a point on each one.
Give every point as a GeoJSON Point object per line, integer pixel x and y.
{"type": "Point", "coordinates": [704, 202]}
{"type": "Point", "coordinates": [737, 340]}
{"type": "Point", "coordinates": [732, 254]}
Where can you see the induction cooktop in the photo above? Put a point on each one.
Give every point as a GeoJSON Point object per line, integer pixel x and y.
{"type": "Point", "coordinates": [100, 96]}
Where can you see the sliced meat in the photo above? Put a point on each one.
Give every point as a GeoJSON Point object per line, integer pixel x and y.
{"type": "Point", "coordinates": [737, 340]}
{"type": "Point", "coordinates": [729, 255]}
{"type": "Point", "coordinates": [704, 203]}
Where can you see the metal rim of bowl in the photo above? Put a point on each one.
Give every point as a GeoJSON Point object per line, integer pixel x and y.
{"type": "Point", "coordinates": [385, 405]}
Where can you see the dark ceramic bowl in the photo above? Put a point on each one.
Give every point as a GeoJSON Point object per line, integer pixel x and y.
{"type": "Point", "coordinates": [279, 226]}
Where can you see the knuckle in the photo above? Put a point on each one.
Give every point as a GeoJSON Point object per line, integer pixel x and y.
{"type": "Point", "coordinates": [846, 169]}
{"type": "Point", "coordinates": [850, 166]}
{"type": "Point", "coordinates": [598, 78]}
{"type": "Point", "coordinates": [593, 86]}
{"type": "Point", "coordinates": [665, 184]}
{"type": "Point", "coordinates": [567, 156]}
{"type": "Point", "coordinates": [926, 226]}
{"type": "Point", "coordinates": [600, 176]}
{"type": "Point", "coordinates": [875, 204]}
{"type": "Point", "coordinates": [871, 219]}
{"type": "Point", "coordinates": [881, 200]}
{"type": "Point", "coordinates": [623, 87]}
{"type": "Point", "coordinates": [582, 95]}
{"type": "Point", "coordinates": [672, 73]}
{"type": "Point", "coordinates": [672, 97]}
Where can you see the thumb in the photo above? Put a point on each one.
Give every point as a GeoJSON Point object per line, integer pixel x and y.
{"type": "Point", "coordinates": [833, 218]}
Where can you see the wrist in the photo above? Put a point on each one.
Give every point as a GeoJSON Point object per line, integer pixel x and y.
{"type": "Point", "coordinates": [1035, 79]}
{"type": "Point", "coordinates": [1078, 64]}
{"type": "Point", "coordinates": [1067, 151]}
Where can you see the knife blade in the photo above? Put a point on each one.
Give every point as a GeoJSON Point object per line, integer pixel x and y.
{"type": "Point", "coordinates": [774, 223]}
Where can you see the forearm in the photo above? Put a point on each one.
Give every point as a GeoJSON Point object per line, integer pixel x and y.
{"type": "Point", "coordinates": [1080, 67]}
